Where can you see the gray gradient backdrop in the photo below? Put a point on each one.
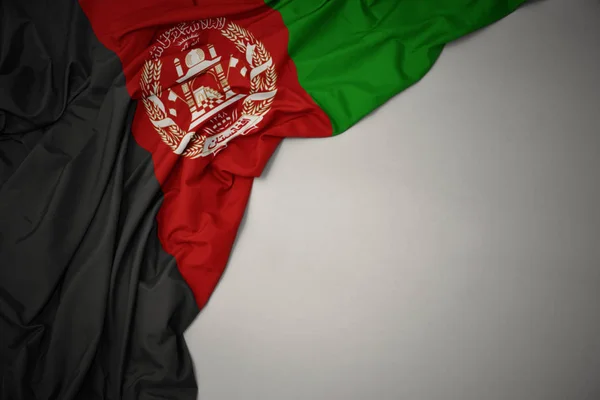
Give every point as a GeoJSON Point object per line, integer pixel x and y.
{"type": "Point", "coordinates": [445, 248]}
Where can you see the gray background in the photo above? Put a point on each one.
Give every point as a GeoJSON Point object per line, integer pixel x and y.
{"type": "Point", "coordinates": [444, 248]}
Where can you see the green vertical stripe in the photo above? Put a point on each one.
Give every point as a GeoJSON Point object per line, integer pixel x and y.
{"type": "Point", "coordinates": [353, 55]}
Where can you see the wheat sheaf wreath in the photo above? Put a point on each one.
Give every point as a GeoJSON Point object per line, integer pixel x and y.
{"type": "Point", "coordinates": [262, 82]}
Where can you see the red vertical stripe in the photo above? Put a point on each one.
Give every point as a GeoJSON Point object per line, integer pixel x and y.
{"type": "Point", "coordinates": [205, 197]}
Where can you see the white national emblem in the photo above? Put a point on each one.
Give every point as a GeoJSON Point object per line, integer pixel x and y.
{"type": "Point", "coordinates": [216, 115]}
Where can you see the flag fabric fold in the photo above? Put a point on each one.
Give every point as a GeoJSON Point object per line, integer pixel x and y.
{"type": "Point", "coordinates": [130, 136]}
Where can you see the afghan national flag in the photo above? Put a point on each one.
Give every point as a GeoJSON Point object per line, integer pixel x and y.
{"type": "Point", "coordinates": [130, 134]}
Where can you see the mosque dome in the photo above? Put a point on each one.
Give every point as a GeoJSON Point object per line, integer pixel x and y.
{"type": "Point", "coordinates": [194, 57]}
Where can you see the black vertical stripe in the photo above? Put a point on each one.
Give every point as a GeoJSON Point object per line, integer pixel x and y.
{"type": "Point", "coordinates": [91, 307]}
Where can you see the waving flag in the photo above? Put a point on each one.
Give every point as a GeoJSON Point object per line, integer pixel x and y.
{"type": "Point", "coordinates": [130, 135]}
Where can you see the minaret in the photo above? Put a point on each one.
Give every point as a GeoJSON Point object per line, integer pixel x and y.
{"type": "Point", "coordinates": [189, 99]}
{"type": "Point", "coordinates": [178, 68]}
{"type": "Point", "coordinates": [220, 74]}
